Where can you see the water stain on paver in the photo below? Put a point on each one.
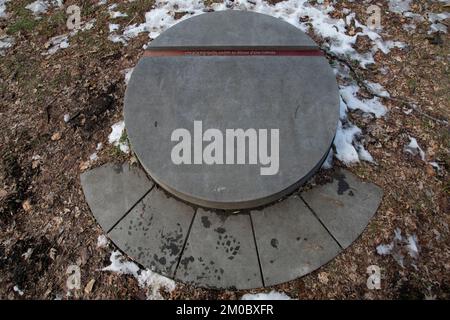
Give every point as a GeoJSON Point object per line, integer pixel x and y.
{"type": "Point", "coordinates": [220, 230]}
{"type": "Point", "coordinates": [274, 243]}
{"type": "Point", "coordinates": [342, 184]}
{"type": "Point", "coordinates": [205, 221]}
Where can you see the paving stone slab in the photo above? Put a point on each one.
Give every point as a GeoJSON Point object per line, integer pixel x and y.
{"type": "Point", "coordinates": [291, 241]}
{"type": "Point", "coordinates": [111, 190]}
{"type": "Point", "coordinates": [344, 206]}
{"type": "Point", "coordinates": [220, 252]}
{"type": "Point", "coordinates": [154, 232]}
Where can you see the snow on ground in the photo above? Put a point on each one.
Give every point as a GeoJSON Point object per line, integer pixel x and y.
{"type": "Point", "coordinates": [128, 73]}
{"type": "Point", "coordinates": [62, 41]}
{"type": "Point", "coordinates": [147, 279]}
{"type": "Point", "coordinates": [399, 6]}
{"type": "Point", "coordinates": [16, 289]}
{"type": "Point", "coordinates": [333, 31]}
{"type": "Point", "coordinates": [116, 137]}
{"type": "Point", "coordinates": [413, 148]}
{"type": "Point", "coordinates": [40, 6]}
{"type": "Point", "coordinates": [56, 43]}
{"type": "Point", "coordinates": [374, 105]}
{"type": "Point", "coordinates": [115, 14]}
{"type": "Point", "coordinates": [102, 241]}
{"type": "Point", "coordinates": [400, 247]}
{"type": "Point", "coordinates": [435, 19]}
{"type": "Point", "coordinates": [5, 43]}
{"type": "Point", "coordinates": [328, 163]}
{"type": "Point", "coordinates": [272, 295]}
{"type": "Point", "coordinates": [93, 157]}
{"type": "Point", "coordinates": [3, 13]}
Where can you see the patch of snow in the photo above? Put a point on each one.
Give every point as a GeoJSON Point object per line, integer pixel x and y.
{"type": "Point", "coordinates": [56, 43]}
{"type": "Point", "coordinates": [99, 146]}
{"type": "Point", "coordinates": [114, 27]}
{"type": "Point", "coordinates": [147, 279]}
{"type": "Point", "coordinates": [128, 73]}
{"type": "Point", "coordinates": [117, 39]}
{"type": "Point", "coordinates": [62, 41]}
{"type": "Point", "coordinates": [385, 249]}
{"type": "Point", "coordinates": [115, 136]}
{"type": "Point", "coordinates": [412, 247]}
{"type": "Point", "coordinates": [328, 163]}
{"type": "Point", "coordinates": [435, 19]}
{"type": "Point", "coordinates": [414, 16]}
{"type": "Point", "coordinates": [414, 148]}
{"type": "Point", "coordinates": [409, 27]}
{"type": "Point", "coordinates": [28, 254]}
{"type": "Point", "coordinates": [16, 289]}
{"type": "Point", "coordinates": [377, 89]}
{"type": "Point", "coordinates": [344, 143]}
{"type": "Point", "coordinates": [115, 14]}
{"type": "Point", "coordinates": [399, 247]}
{"type": "Point", "coordinates": [5, 43]}
{"type": "Point", "coordinates": [272, 295]}
{"type": "Point", "coordinates": [387, 46]}
{"type": "Point", "coordinates": [102, 241]}
{"type": "Point", "coordinates": [374, 105]}
{"type": "Point", "coordinates": [37, 7]}
{"type": "Point", "coordinates": [93, 157]}
{"type": "Point", "coordinates": [307, 17]}
{"type": "Point", "coordinates": [435, 165]}
{"type": "Point", "coordinates": [399, 6]}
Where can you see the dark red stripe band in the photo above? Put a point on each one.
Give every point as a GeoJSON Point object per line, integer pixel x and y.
{"type": "Point", "coordinates": [203, 52]}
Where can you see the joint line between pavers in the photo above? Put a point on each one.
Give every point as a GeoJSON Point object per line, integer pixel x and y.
{"type": "Point", "coordinates": [185, 243]}
{"type": "Point", "coordinates": [129, 210]}
{"type": "Point", "coordinates": [320, 221]}
{"type": "Point", "coordinates": [257, 252]}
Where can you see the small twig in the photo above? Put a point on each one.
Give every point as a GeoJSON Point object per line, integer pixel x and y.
{"type": "Point", "coordinates": [129, 22]}
{"type": "Point", "coordinates": [359, 79]}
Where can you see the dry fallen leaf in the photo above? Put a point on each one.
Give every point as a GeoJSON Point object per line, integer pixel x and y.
{"type": "Point", "coordinates": [3, 193]}
{"type": "Point", "coordinates": [26, 205]}
{"type": "Point", "coordinates": [56, 136]}
{"type": "Point", "coordinates": [323, 277]}
{"type": "Point", "coordinates": [89, 286]}
{"type": "Point", "coordinates": [84, 165]}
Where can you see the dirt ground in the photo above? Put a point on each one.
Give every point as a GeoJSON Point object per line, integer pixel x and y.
{"type": "Point", "coordinates": [42, 206]}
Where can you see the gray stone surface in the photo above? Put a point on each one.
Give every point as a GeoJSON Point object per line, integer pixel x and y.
{"type": "Point", "coordinates": [297, 95]}
{"type": "Point", "coordinates": [154, 232]}
{"type": "Point", "coordinates": [111, 190]}
{"type": "Point", "coordinates": [220, 249]}
{"type": "Point", "coordinates": [345, 206]}
{"type": "Point", "coordinates": [220, 253]}
{"type": "Point", "coordinates": [291, 241]}
{"type": "Point", "coordinates": [233, 29]}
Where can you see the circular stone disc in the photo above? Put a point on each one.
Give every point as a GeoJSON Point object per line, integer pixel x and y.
{"type": "Point", "coordinates": [265, 77]}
